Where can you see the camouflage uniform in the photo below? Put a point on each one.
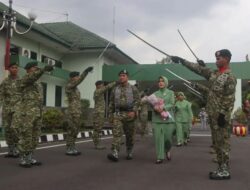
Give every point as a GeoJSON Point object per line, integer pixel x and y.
{"type": "Point", "coordinates": [123, 99]}
{"type": "Point", "coordinates": [99, 112]}
{"type": "Point", "coordinates": [220, 100]}
{"type": "Point", "coordinates": [27, 118]}
{"type": "Point", "coordinates": [143, 116]}
{"type": "Point", "coordinates": [74, 110]}
{"type": "Point", "coordinates": [9, 97]}
{"type": "Point", "coordinates": [205, 91]}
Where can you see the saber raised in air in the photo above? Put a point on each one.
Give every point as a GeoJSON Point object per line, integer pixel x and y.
{"type": "Point", "coordinates": [200, 62]}
{"type": "Point", "coordinates": [148, 43]}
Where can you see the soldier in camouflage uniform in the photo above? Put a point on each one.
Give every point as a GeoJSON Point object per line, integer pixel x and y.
{"type": "Point", "coordinates": [220, 102]}
{"type": "Point", "coordinates": [9, 96]}
{"type": "Point", "coordinates": [74, 109]}
{"type": "Point", "coordinates": [124, 103]}
{"type": "Point", "coordinates": [99, 111]}
{"type": "Point", "coordinates": [205, 91]}
{"type": "Point", "coordinates": [28, 114]}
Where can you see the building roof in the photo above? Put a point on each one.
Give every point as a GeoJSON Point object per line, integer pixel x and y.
{"type": "Point", "coordinates": [151, 72]}
{"type": "Point", "coordinates": [81, 39]}
{"type": "Point", "coordinates": [78, 37]}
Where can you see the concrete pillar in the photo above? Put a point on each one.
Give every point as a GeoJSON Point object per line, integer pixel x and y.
{"type": "Point", "coordinates": [238, 95]}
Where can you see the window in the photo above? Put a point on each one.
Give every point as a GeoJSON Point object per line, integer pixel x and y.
{"type": "Point", "coordinates": [14, 49]}
{"type": "Point", "coordinates": [58, 96]}
{"type": "Point", "coordinates": [44, 86]}
{"type": "Point", "coordinates": [43, 58]}
{"type": "Point", "coordinates": [49, 60]}
{"type": "Point", "coordinates": [33, 55]}
{"type": "Point", "coordinates": [58, 64]}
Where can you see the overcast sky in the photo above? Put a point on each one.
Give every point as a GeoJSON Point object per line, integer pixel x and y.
{"type": "Point", "coordinates": [207, 25]}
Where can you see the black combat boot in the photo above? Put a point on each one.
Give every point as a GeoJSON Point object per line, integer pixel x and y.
{"type": "Point", "coordinates": [113, 156]}
{"type": "Point", "coordinates": [129, 154]}
{"type": "Point", "coordinates": [12, 153]}
{"type": "Point", "coordinates": [33, 161]}
{"type": "Point", "coordinates": [71, 151]}
{"type": "Point", "coordinates": [75, 151]}
{"type": "Point", "coordinates": [24, 161]}
{"type": "Point", "coordinates": [221, 173]}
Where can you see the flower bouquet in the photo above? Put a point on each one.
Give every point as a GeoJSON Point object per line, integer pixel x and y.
{"type": "Point", "coordinates": [156, 103]}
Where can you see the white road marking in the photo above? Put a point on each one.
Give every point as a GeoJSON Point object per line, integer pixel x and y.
{"type": "Point", "coordinates": [64, 144]}
{"type": "Point", "coordinates": [104, 138]}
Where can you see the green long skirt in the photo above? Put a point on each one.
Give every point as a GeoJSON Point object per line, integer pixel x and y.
{"type": "Point", "coordinates": [163, 137]}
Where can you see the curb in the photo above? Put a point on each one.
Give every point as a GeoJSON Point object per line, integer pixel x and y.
{"type": "Point", "coordinates": [62, 137]}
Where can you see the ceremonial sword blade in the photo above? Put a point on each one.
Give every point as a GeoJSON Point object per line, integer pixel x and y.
{"type": "Point", "coordinates": [103, 51]}
{"type": "Point", "coordinates": [187, 85]}
{"type": "Point", "coordinates": [178, 76]}
{"type": "Point", "coordinates": [199, 96]}
{"type": "Point", "coordinates": [187, 44]}
{"type": "Point", "coordinates": [147, 43]}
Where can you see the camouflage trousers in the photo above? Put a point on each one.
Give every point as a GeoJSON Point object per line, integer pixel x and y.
{"type": "Point", "coordinates": [73, 128]}
{"type": "Point", "coordinates": [248, 125]}
{"type": "Point", "coordinates": [142, 123]}
{"type": "Point", "coordinates": [221, 138]}
{"type": "Point", "coordinates": [10, 135]}
{"type": "Point", "coordinates": [27, 126]}
{"type": "Point", "coordinates": [98, 125]}
{"type": "Point", "coordinates": [121, 122]}
{"type": "Point", "coordinates": [212, 128]}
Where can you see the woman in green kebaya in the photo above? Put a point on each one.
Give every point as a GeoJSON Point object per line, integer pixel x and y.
{"type": "Point", "coordinates": [163, 128]}
{"type": "Point", "coordinates": [183, 118]}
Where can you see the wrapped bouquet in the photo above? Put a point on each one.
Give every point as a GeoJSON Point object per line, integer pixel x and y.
{"type": "Point", "coordinates": [156, 103]}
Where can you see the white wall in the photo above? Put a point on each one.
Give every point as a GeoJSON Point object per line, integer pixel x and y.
{"type": "Point", "coordinates": [52, 82]}
{"type": "Point", "coordinates": [21, 41]}
{"type": "Point", "coordinates": [37, 47]}
{"type": "Point", "coordinates": [79, 62]}
{"type": "Point", "coordinates": [40, 49]}
{"type": "Point", "coordinates": [72, 62]}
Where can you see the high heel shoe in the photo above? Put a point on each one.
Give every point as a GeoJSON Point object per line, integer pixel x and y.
{"type": "Point", "coordinates": [159, 161]}
{"type": "Point", "coordinates": [168, 156]}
